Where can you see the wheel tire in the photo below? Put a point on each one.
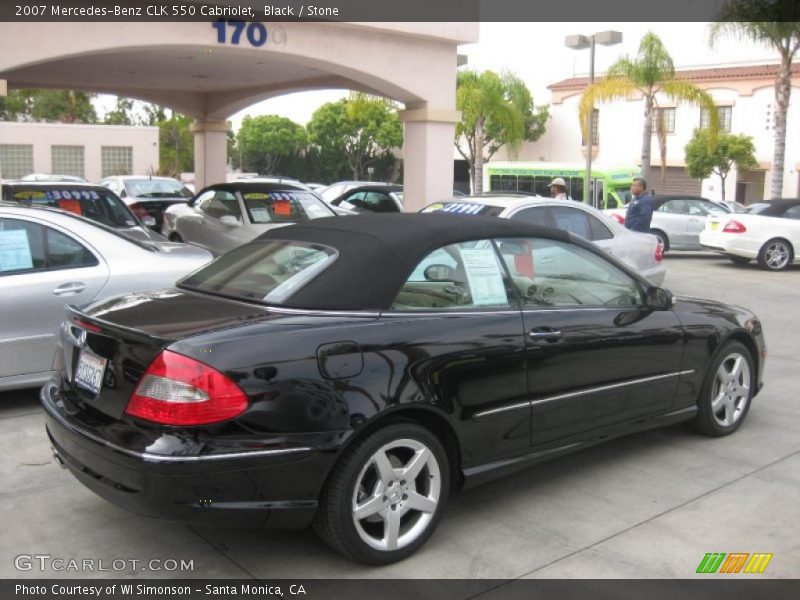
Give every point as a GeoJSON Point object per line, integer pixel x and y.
{"type": "Point", "coordinates": [662, 239]}
{"type": "Point", "coordinates": [723, 404]}
{"type": "Point", "coordinates": [739, 260]}
{"type": "Point", "coordinates": [776, 255]}
{"type": "Point", "coordinates": [357, 472]}
{"type": "Point", "coordinates": [175, 237]}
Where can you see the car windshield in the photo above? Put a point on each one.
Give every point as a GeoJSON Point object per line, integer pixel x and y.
{"type": "Point", "coordinates": [464, 208]}
{"type": "Point", "coordinates": [262, 271]}
{"type": "Point", "coordinates": [284, 207]}
{"type": "Point", "coordinates": [156, 188]}
{"type": "Point", "coordinates": [97, 205]}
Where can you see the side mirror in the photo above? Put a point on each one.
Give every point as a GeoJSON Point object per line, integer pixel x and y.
{"type": "Point", "coordinates": [659, 298]}
{"type": "Point", "coordinates": [230, 221]}
{"type": "Point", "coordinates": [439, 273]}
{"type": "Point", "coordinates": [148, 221]}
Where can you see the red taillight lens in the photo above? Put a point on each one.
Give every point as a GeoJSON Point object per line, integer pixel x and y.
{"type": "Point", "coordinates": [178, 390]}
{"type": "Point", "coordinates": [139, 210]}
{"type": "Point", "coordinates": [659, 251]}
{"type": "Point", "coordinates": [734, 227]}
{"type": "Point", "coordinates": [619, 218]}
{"type": "Point", "coordinates": [87, 326]}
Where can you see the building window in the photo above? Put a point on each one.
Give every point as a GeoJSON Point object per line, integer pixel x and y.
{"type": "Point", "coordinates": [16, 160]}
{"type": "Point", "coordinates": [725, 113]}
{"type": "Point", "coordinates": [116, 160]}
{"type": "Point", "coordinates": [668, 117]}
{"type": "Point", "coordinates": [67, 160]}
{"type": "Point", "coordinates": [595, 129]}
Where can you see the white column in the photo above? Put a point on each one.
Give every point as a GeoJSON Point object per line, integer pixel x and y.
{"type": "Point", "coordinates": [210, 152]}
{"type": "Point", "coordinates": [427, 155]}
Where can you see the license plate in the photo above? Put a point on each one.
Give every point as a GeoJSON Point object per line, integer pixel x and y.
{"type": "Point", "coordinates": [713, 225]}
{"type": "Point", "coordinates": [89, 372]}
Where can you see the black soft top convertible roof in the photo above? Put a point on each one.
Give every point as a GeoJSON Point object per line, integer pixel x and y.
{"type": "Point", "coordinates": [377, 252]}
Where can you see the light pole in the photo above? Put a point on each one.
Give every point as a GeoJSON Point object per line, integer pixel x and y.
{"type": "Point", "coordinates": [580, 42]}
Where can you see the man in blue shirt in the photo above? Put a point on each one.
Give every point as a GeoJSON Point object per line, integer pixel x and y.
{"type": "Point", "coordinates": [640, 208]}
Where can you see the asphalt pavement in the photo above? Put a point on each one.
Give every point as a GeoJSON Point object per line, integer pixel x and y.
{"type": "Point", "coordinates": [650, 505]}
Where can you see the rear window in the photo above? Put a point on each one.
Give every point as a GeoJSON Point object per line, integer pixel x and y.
{"type": "Point", "coordinates": [284, 207]}
{"type": "Point", "coordinates": [464, 208]}
{"type": "Point", "coordinates": [156, 188]}
{"type": "Point", "coordinates": [97, 205]}
{"type": "Point", "coordinates": [268, 271]}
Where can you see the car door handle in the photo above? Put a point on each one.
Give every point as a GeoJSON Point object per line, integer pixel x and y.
{"type": "Point", "coordinates": [69, 289]}
{"type": "Point", "coordinates": [549, 335]}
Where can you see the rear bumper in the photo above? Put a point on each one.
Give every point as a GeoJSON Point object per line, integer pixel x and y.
{"type": "Point", "coordinates": [263, 488]}
{"type": "Point", "coordinates": [730, 244]}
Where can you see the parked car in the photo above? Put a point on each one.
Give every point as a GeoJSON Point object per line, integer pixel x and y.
{"type": "Point", "coordinates": [381, 198]}
{"type": "Point", "coordinates": [50, 258]}
{"type": "Point", "coordinates": [147, 196]}
{"type": "Point", "coordinates": [640, 251]}
{"type": "Point", "coordinates": [227, 215]}
{"type": "Point", "coordinates": [94, 202]}
{"type": "Point", "coordinates": [678, 220]}
{"type": "Point", "coordinates": [732, 205]}
{"type": "Point", "coordinates": [769, 231]}
{"type": "Point", "coordinates": [311, 377]}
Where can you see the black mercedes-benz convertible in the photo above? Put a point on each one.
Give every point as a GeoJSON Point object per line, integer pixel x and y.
{"type": "Point", "coordinates": [354, 372]}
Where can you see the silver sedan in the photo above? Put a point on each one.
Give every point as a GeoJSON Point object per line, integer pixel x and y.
{"type": "Point", "coordinates": [640, 251]}
{"type": "Point", "coordinates": [50, 258]}
{"type": "Point", "coordinates": [224, 216]}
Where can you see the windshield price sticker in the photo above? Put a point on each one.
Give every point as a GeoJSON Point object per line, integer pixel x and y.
{"type": "Point", "coordinates": [15, 250]}
{"type": "Point", "coordinates": [484, 276]}
{"type": "Point", "coordinates": [72, 195]}
{"type": "Point", "coordinates": [463, 208]}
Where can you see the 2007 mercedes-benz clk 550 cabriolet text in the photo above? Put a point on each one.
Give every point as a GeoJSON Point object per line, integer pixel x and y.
{"type": "Point", "coordinates": [352, 373]}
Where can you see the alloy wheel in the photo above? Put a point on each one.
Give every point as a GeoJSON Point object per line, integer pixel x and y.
{"type": "Point", "coordinates": [776, 255]}
{"type": "Point", "coordinates": [730, 391]}
{"type": "Point", "coordinates": [396, 495]}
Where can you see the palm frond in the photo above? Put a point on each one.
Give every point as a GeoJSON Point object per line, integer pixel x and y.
{"type": "Point", "coordinates": [617, 88]}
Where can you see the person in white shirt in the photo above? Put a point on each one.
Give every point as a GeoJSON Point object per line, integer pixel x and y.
{"type": "Point", "coordinates": [558, 189]}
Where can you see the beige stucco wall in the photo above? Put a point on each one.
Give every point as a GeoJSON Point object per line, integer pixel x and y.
{"type": "Point", "coordinates": [143, 140]}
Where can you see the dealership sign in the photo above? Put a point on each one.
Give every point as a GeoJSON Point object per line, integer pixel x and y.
{"type": "Point", "coordinates": [254, 34]}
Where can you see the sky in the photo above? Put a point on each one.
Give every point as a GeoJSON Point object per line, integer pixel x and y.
{"type": "Point", "coordinates": [536, 53]}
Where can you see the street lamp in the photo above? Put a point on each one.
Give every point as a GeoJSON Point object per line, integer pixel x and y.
{"type": "Point", "coordinates": [581, 42]}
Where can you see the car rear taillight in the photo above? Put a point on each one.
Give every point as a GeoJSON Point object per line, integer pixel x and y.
{"type": "Point", "coordinates": [178, 390]}
{"type": "Point", "coordinates": [734, 227]}
{"type": "Point", "coordinates": [659, 251]}
{"type": "Point", "coordinates": [619, 218]}
{"type": "Point", "coordinates": [139, 210]}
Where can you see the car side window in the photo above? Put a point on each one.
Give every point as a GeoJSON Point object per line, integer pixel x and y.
{"type": "Point", "coordinates": [64, 252]}
{"type": "Point", "coordinates": [600, 230]}
{"type": "Point", "coordinates": [559, 274]}
{"type": "Point", "coordinates": [696, 208]}
{"type": "Point", "coordinates": [465, 276]}
{"type": "Point", "coordinates": [353, 201]}
{"type": "Point", "coordinates": [201, 202]}
{"type": "Point", "coordinates": [220, 204]}
{"type": "Point", "coordinates": [536, 215]}
{"type": "Point", "coordinates": [674, 207]}
{"type": "Point", "coordinates": [29, 247]}
{"type": "Point", "coordinates": [571, 219]}
{"type": "Point", "coordinates": [379, 202]}
{"type": "Point", "coordinates": [21, 247]}
{"type": "Point", "coordinates": [793, 212]}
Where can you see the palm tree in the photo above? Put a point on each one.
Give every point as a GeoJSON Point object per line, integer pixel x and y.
{"type": "Point", "coordinates": [650, 73]}
{"type": "Point", "coordinates": [489, 118]}
{"type": "Point", "coordinates": [774, 23]}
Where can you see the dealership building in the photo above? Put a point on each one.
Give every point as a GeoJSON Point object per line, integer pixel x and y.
{"type": "Point", "coordinates": [745, 100]}
{"type": "Point", "coordinates": [211, 70]}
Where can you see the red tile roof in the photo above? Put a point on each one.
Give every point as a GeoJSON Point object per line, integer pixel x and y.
{"type": "Point", "coordinates": [698, 75]}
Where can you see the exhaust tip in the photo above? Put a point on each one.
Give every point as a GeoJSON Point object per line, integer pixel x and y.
{"type": "Point", "coordinates": [58, 459]}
